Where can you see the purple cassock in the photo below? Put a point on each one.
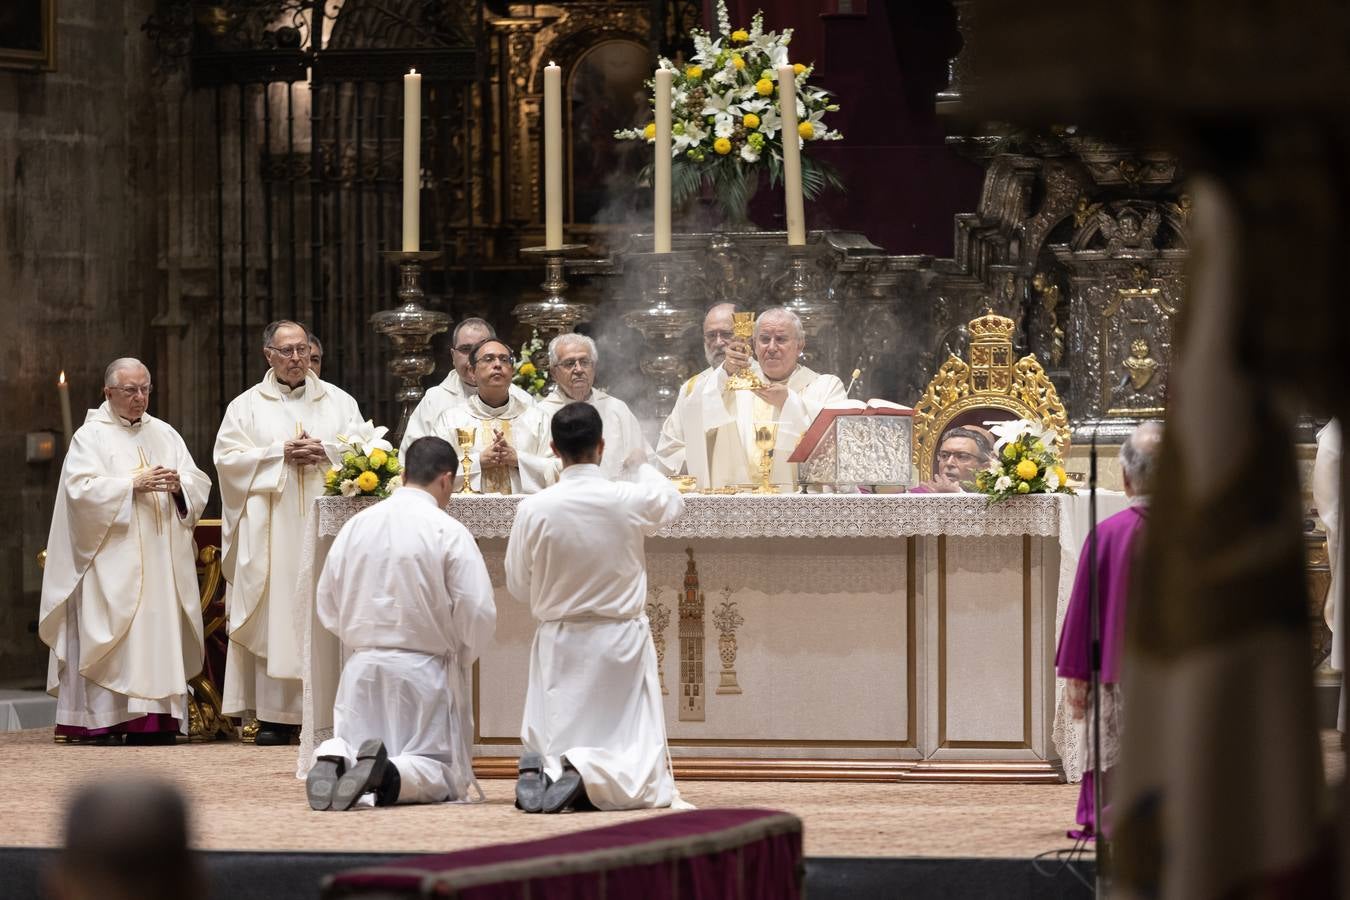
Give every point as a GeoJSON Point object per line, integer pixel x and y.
{"type": "Point", "coordinates": [1115, 558]}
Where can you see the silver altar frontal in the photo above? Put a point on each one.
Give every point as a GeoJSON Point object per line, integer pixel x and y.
{"type": "Point", "coordinates": [862, 450]}
{"type": "Point", "coordinates": [832, 636]}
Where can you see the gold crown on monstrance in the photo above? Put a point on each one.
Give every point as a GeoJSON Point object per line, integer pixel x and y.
{"type": "Point", "coordinates": [991, 327]}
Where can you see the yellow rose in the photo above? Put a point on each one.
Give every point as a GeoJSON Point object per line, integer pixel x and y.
{"type": "Point", "coordinates": [1027, 470]}
{"type": "Point", "coordinates": [1063, 476]}
{"type": "Point", "coordinates": [737, 62]}
{"type": "Point", "coordinates": [650, 131]}
{"type": "Point", "coordinates": [526, 368]}
{"type": "Point", "coordinates": [378, 458]}
{"type": "Point", "coordinates": [806, 130]}
{"type": "Point", "coordinates": [331, 477]}
{"type": "Point", "coordinates": [750, 121]}
{"type": "Point", "coordinates": [367, 481]}
{"type": "Point", "coordinates": [798, 68]}
{"type": "Point", "coordinates": [740, 36]}
{"type": "Point", "coordinates": [694, 73]}
{"type": "Point", "coordinates": [764, 86]}
{"type": "Point", "coordinates": [722, 146]}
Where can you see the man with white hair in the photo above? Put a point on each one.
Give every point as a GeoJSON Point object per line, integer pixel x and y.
{"type": "Point", "coordinates": [1117, 538]}
{"type": "Point", "coordinates": [793, 397]}
{"type": "Point", "coordinates": [672, 453]}
{"type": "Point", "coordinates": [120, 607]}
{"type": "Point", "coordinates": [572, 360]}
{"type": "Point", "coordinates": [275, 443]}
{"type": "Point", "coordinates": [457, 387]}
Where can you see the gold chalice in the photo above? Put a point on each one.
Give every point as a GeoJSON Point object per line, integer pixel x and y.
{"type": "Point", "coordinates": [466, 438]}
{"type": "Point", "coordinates": [743, 326]}
{"type": "Point", "coordinates": [766, 434]}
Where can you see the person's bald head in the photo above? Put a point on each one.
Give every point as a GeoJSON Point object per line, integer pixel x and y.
{"type": "Point", "coordinates": [1137, 457]}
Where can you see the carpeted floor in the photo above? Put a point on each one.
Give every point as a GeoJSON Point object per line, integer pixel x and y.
{"type": "Point", "coordinates": [247, 798]}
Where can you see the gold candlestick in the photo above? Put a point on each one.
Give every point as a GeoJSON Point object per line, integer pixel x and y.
{"type": "Point", "coordinates": [466, 438]}
{"type": "Point", "coordinates": [743, 326]}
{"type": "Point", "coordinates": [766, 435]}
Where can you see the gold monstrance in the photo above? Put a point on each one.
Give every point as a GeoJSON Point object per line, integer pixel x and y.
{"type": "Point", "coordinates": [466, 437]}
{"type": "Point", "coordinates": [766, 435]}
{"type": "Point", "coordinates": [743, 326]}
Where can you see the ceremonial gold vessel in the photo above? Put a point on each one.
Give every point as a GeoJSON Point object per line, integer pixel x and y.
{"type": "Point", "coordinates": [466, 438]}
{"type": "Point", "coordinates": [766, 434]}
{"type": "Point", "coordinates": [743, 326]}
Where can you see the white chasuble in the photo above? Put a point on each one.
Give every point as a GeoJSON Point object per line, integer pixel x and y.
{"type": "Point", "coordinates": [264, 504]}
{"type": "Point", "coordinates": [518, 422]}
{"type": "Point", "coordinates": [120, 605]}
{"type": "Point", "coordinates": [576, 555]}
{"type": "Point", "coordinates": [625, 447]}
{"type": "Point", "coordinates": [727, 420]}
{"type": "Point", "coordinates": [407, 593]}
{"type": "Point", "coordinates": [674, 453]}
{"type": "Point", "coordinates": [450, 392]}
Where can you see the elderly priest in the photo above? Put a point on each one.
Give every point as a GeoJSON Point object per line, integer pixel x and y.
{"type": "Point", "coordinates": [726, 419]}
{"type": "Point", "coordinates": [274, 445]}
{"type": "Point", "coordinates": [457, 386]}
{"type": "Point", "coordinates": [508, 454]}
{"type": "Point", "coordinates": [594, 729]}
{"type": "Point", "coordinates": [406, 590]}
{"type": "Point", "coordinates": [572, 359]}
{"type": "Point", "coordinates": [670, 446]}
{"type": "Point", "coordinates": [120, 608]}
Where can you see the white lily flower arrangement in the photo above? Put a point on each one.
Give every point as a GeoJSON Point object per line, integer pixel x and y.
{"type": "Point", "coordinates": [370, 464]}
{"type": "Point", "coordinates": [1026, 461]}
{"type": "Point", "coordinates": [725, 120]}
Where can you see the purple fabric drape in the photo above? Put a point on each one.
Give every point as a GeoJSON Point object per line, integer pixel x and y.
{"type": "Point", "coordinates": [1115, 554]}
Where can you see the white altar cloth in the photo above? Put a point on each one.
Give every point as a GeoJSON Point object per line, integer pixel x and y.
{"type": "Point", "coordinates": [1062, 518]}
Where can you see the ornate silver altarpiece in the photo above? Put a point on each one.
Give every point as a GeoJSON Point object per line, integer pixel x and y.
{"type": "Point", "coordinates": [862, 450]}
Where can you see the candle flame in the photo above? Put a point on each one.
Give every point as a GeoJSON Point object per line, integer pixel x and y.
{"type": "Point", "coordinates": [61, 379]}
{"type": "Point", "coordinates": [412, 71]}
{"type": "Point", "coordinates": [552, 64]}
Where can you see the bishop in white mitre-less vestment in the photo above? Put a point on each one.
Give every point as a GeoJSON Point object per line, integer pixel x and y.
{"type": "Point", "coordinates": [265, 501]}
{"type": "Point", "coordinates": [120, 604]}
{"type": "Point", "coordinates": [407, 593]}
{"type": "Point", "coordinates": [576, 555]}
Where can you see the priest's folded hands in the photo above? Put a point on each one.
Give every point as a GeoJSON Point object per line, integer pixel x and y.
{"type": "Point", "coordinates": [158, 478]}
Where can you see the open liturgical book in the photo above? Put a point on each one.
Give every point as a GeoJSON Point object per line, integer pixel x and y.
{"type": "Point", "coordinates": [874, 407]}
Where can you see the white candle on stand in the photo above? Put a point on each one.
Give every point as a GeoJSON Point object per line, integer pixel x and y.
{"type": "Point", "coordinates": [792, 156]}
{"type": "Point", "coordinates": [553, 203]}
{"type": "Point", "coordinates": [63, 389]}
{"type": "Point", "coordinates": [661, 169]}
{"type": "Point", "coordinates": [412, 160]}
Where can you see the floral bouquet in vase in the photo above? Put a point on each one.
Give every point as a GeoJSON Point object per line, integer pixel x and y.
{"type": "Point", "coordinates": [725, 125]}
{"type": "Point", "coordinates": [532, 371]}
{"type": "Point", "coordinates": [370, 466]}
{"type": "Point", "coordinates": [1026, 461]}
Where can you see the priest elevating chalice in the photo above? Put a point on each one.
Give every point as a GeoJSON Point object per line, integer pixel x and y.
{"type": "Point", "coordinates": [747, 379]}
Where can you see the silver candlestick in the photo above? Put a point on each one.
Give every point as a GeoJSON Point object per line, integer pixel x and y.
{"type": "Point", "coordinates": [802, 289]}
{"type": "Point", "coordinates": [410, 327]}
{"type": "Point", "coordinates": [662, 320]}
{"type": "Point", "coordinates": [554, 314]}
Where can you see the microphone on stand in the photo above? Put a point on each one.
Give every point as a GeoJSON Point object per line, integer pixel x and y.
{"type": "Point", "coordinates": [1095, 682]}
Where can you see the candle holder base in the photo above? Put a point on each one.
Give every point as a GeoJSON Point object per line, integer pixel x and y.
{"type": "Point", "coordinates": [662, 320]}
{"type": "Point", "coordinates": [410, 327]}
{"type": "Point", "coordinates": [802, 289]}
{"type": "Point", "coordinates": [554, 314]}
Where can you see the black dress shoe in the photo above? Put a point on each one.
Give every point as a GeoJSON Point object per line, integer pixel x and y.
{"type": "Point", "coordinates": [567, 791]}
{"type": "Point", "coordinates": [366, 775]}
{"type": "Point", "coordinates": [152, 739]}
{"type": "Point", "coordinates": [531, 782]}
{"type": "Point", "coordinates": [274, 734]}
{"type": "Point", "coordinates": [322, 779]}
{"type": "Point", "coordinates": [387, 793]}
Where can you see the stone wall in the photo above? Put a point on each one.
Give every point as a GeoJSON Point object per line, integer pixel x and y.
{"type": "Point", "coordinates": [78, 265]}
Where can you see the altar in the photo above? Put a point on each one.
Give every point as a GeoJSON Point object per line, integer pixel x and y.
{"type": "Point", "coordinates": [845, 636]}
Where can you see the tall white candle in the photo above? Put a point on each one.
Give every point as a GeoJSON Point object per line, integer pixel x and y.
{"type": "Point", "coordinates": [553, 202]}
{"type": "Point", "coordinates": [63, 389]}
{"type": "Point", "coordinates": [412, 160]}
{"type": "Point", "coordinates": [661, 169]}
{"type": "Point", "coordinates": [792, 156]}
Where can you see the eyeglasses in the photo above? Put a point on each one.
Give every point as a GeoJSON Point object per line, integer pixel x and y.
{"type": "Point", "coordinates": [132, 390]}
{"type": "Point", "coordinates": [464, 348]}
{"type": "Point", "coordinates": [581, 362]}
{"type": "Point", "coordinates": [958, 455]}
{"type": "Point", "coordinates": [503, 358]}
{"type": "Point", "coordinates": [710, 336]}
{"type": "Point", "coordinates": [290, 352]}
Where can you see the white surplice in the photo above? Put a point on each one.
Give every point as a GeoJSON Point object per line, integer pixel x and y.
{"type": "Point", "coordinates": [727, 420]}
{"type": "Point", "coordinates": [407, 593]}
{"type": "Point", "coordinates": [120, 604]}
{"type": "Point", "coordinates": [673, 451]}
{"type": "Point", "coordinates": [623, 434]}
{"type": "Point", "coordinates": [519, 421]}
{"type": "Point", "coordinates": [450, 392]}
{"type": "Point", "coordinates": [1326, 489]}
{"type": "Point", "coordinates": [576, 556]}
{"type": "Point", "coordinates": [265, 501]}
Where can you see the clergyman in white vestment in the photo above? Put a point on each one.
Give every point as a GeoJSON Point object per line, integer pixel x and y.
{"type": "Point", "coordinates": [594, 723]}
{"type": "Point", "coordinates": [727, 419]}
{"type": "Point", "coordinates": [457, 386]}
{"type": "Point", "coordinates": [507, 455]}
{"type": "Point", "coordinates": [673, 453]}
{"type": "Point", "coordinates": [407, 593]}
{"type": "Point", "coordinates": [572, 359]}
{"type": "Point", "coordinates": [276, 442]}
{"type": "Point", "coordinates": [120, 605]}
